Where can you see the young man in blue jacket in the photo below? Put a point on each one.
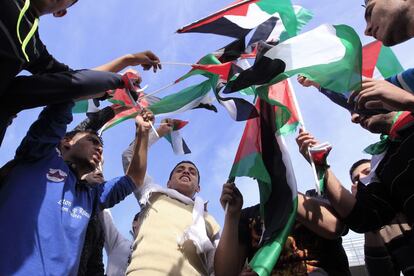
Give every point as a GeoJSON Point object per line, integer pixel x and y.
{"type": "Point", "coordinates": [51, 81]}
{"type": "Point", "coordinates": [44, 205]}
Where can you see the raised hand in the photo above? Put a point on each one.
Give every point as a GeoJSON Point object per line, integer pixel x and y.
{"type": "Point", "coordinates": [304, 141]}
{"type": "Point", "coordinates": [145, 119]}
{"type": "Point", "coordinates": [381, 94]}
{"type": "Point", "coordinates": [231, 195]}
{"type": "Point", "coordinates": [146, 59]}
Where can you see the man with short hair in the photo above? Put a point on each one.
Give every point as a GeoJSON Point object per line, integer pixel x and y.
{"type": "Point", "coordinates": [387, 250]}
{"type": "Point", "coordinates": [45, 206]}
{"type": "Point", "coordinates": [314, 246]}
{"type": "Point", "coordinates": [390, 21]}
{"type": "Point", "coordinates": [389, 190]}
{"type": "Point", "coordinates": [176, 235]}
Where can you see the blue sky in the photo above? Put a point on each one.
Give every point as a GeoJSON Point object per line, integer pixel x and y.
{"type": "Point", "coordinates": [95, 32]}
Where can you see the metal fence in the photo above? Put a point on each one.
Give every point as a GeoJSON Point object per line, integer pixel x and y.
{"type": "Point", "coordinates": [354, 248]}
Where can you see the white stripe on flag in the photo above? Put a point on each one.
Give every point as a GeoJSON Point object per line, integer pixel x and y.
{"type": "Point", "coordinates": [230, 106]}
{"type": "Point", "coordinates": [290, 174]}
{"type": "Point", "coordinates": [177, 143]}
{"type": "Point", "coordinates": [254, 17]}
{"type": "Point", "coordinates": [316, 47]}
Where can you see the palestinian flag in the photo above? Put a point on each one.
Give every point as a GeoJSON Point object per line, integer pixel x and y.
{"type": "Point", "coordinates": [186, 99]}
{"type": "Point", "coordinates": [239, 109]}
{"type": "Point", "coordinates": [379, 61]}
{"type": "Point", "coordinates": [263, 156]}
{"type": "Point", "coordinates": [192, 97]}
{"type": "Point", "coordinates": [86, 106]}
{"type": "Point", "coordinates": [273, 29]}
{"type": "Point", "coordinates": [281, 96]}
{"type": "Point", "coordinates": [231, 51]}
{"type": "Point", "coordinates": [210, 60]}
{"type": "Point", "coordinates": [319, 155]}
{"type": "Point", "coordinates": [329, 55]}
{"type": "Point", "coordinates": [130, 113]}
{"type": "Point", "coordinates": [178, 144]}
{"type": "Point", "coordinates": [239, 18]}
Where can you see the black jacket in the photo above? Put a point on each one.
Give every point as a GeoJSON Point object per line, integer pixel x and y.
{"type": "Point", "coordinates": [12, 59]}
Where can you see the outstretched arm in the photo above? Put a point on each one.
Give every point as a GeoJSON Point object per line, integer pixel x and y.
{"type": "Point", "coordinates": [341, 199]}
{"type": "Point", "coordinates": [146, 59]}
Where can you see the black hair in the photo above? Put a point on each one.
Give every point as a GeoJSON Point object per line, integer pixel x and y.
{"type": "Point", "coordinates": [185, 161]}
{"type": "Point", "coordinates": [136, 216]}
{"type": "Point", "coordinates": [72, 133]}
{"type": "Point", "coordinates": [357, 164]}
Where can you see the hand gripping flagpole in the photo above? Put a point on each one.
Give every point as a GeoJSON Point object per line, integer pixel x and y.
{"type": "Point", "coordinates": [300, 118]}
{"type": "Point", "coordinates": [135, 103]}
{"type": "Point", "coordinates": [226, 208]}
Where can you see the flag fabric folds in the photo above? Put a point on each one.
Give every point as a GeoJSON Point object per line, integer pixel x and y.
{"type": "Point", "coordinates": [178, 144]}
{"type": "Point", "coordinates": [329, 55]}
{"type": "Point", "coordinates": [86, 106]}
{"type": "Point", "coordinates": [262, 155]}
{"type": "Point", "coordinates": [379, 61]}
{"type": "Point", "coordinates": [239, 18]}
{"type": "Point", "coordinates": [319, 155]}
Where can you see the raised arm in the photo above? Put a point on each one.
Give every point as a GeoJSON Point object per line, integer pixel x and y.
{"type": "Point", "coordinates": [230, 253]}
{"type": "Point", "coordinates": [319, 217]}
{"type": "Point", "coordinates": [146, 59]}
{"type": "Point", "coordinates": [162, 130]}
{"type": "Point", "coordinates": [341, 199]}
{"type": "Point", "coordinates": [138, 166]}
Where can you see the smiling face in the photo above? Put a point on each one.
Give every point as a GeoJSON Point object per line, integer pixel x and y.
{"type": "Point", "coordinates": [380, 123]}
{"type": "Point", "coordinates": [388, 20]}
{"type": "Point", "coordinates": [185, 179]}
{"type": "Point", "coordinates": [84, 149]}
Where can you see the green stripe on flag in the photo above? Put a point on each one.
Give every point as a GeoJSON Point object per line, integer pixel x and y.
{"type": "Point", "coordinates": [388, 63]}
{"type": "Point", "coordinates": [303, 16]}
{"type": "Point", "coordinates": [180, 99]}
{"type": "Point", "coordinates": [265, 259]}
{"type": "Point", "coordinates": [120, 120]}
{"type": "Point", "coordinates": [251, 165]}
{"type": "Point", "coordinates": [286, 11]}
{"type": "Point", "coordinates": [80, 107]}
{"type": "Point", "coordinates": [282, 114]}
{"type": "Point", "coordinates": [208, 59]}
{"type": "Point", "coordinates": [340, 76]}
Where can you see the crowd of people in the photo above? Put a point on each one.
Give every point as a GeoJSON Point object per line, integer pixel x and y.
{"type": "Point", "coordinates": [55, 200]}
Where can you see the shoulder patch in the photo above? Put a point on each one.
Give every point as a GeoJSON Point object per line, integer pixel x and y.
{"type": "Point", "coordinates": [56, 175]}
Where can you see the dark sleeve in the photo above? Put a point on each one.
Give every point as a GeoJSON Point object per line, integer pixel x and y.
{"type": "Point", "coordinates": [404, 80]}
{"type": "Point", "coordinates": [250, 224]}
{"type": "Point", "coordinates": [372, 209]}
{"type": "Point", "coordinates": [97, 120]}
{"type": "Point", "coordinates": [49, 88]}
{"type": "Point", "coordinates": [46, 63]}
{"type": "Point", "coordinates": [244, 233]}
{"type": "Point", "coordinates": [46, 133]}
{"type": "Point", "coordinates": [114, 191]}
{"type": "Point", "coordinates": [338, 98]}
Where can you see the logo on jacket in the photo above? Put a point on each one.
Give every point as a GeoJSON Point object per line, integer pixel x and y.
{"type": "Point", "coordinates": [56, 175]}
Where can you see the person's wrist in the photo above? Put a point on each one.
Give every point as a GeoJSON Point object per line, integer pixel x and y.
{"type": "Point", "coordinates": [410, 103]}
